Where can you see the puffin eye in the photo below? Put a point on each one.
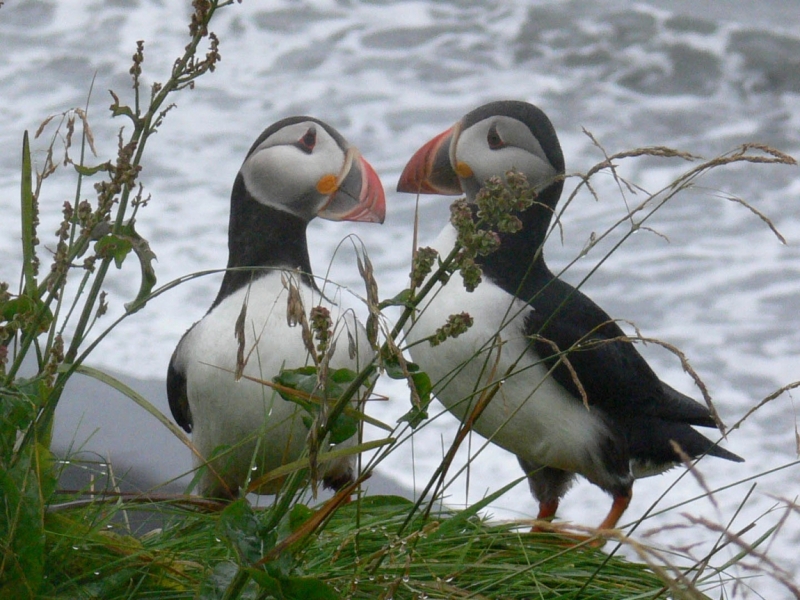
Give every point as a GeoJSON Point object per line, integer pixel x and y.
{"type": "Point", "coordinates": [308, 141]}
{"type": "Point", "coordinates": [493, 138]}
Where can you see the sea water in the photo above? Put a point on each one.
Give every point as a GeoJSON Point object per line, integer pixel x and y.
{"type": "Point", "coordinates": [708, 275]}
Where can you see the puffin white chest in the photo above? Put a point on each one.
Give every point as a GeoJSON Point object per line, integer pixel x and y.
{"type": "Point", "coordinates": [530, 415]}
{"type": "Point", "coordinates": [250, 418]}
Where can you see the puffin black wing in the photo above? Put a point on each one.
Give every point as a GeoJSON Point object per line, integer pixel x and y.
{"type": "Point", "coordinates": [176, 392]}
{"type": "Point", "coordinates": [615, 377]}
{"type": "Point", "coordinates": [693, 412]}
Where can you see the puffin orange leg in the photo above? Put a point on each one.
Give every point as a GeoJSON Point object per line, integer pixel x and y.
{"type": "Point", "coordinates": [621, 502]}
{"type": "Point", "coordinates": [547, 510]}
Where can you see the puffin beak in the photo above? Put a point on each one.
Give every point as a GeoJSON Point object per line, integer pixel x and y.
{"type": "Point", "coordinates": [356, 194]}
{"type": "Point", "coordinates": [430, 170]}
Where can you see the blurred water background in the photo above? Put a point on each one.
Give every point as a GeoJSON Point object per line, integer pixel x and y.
{"type": "Point", "coordinates": [700, 76]}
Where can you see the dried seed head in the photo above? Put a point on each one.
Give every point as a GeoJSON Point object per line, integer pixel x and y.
{"type": "Point", "coordinates": [89, 262]}
{"type": "Point", "coordinates": [461, 218]}
{"type": "Point", "coordinates": [422, 265]}
{"type": "Point", "coordinates": [295, 312]}
{"type": "Point", "coordinates": [102, 304]}
{"type": "Point", "coordinates": [455, 326]}
{"type": "Point", "coordinates": [322, 326]}
{"type": "Point", "coordinates": [471, 273]}
{"type": "Point", "coordinates": [367, 273]}
{"type": "Point", "coordinates": [352, 347]}
{"type": "Point", "coordinates": [56, 358]}
{"type": "Point", "coordinates": [238, 332]}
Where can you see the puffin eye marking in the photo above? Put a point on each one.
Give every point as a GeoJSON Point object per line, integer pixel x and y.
{"type": "Point", "coordinates": [493, 138]}
{"type": "Point", "coordinates": [308, 141]}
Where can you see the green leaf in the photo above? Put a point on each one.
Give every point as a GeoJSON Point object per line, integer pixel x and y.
{"type": "Point", "coordinates": [17, 411]}
{"type": "Point", "coordinates": [24, 489]}
{"type": "Point", "coordinates": [240, 527]}
{"type": "Point", "coordinates": [89, 171]}
{"type": "Point", "coordinates": [402, 299]}
{"type": "Point", "coordinates": [395, 370]}
{"type": "Point", "coordinates": [343, 428]}
{"type": "Point", "coordinates": [303, 588]}
{"type": "Point", "coordinates": [299, 514]}
{"type": "Point", "coordinates": [343, 375]}
{"type": "Point", "coordinates": [146, 257]}
{"type": "Point", "coordinates": [300, 372]}
{"type": "Point", "coordinates": [26, 310]}
{"type": "Point", "coordinates": [305, 380]}
{"type": "Point", "coordinates": [118, 109]}
{"type": "Point", "coordinates": [295, 378]}
{"type": "Point", "coordinates": [28, 213]}
{"type": "Point", "coordinates": [19, 406]}
{"type": "Point", "coordinates": [421, 383]}
{"type": "Point", "coordinates": [414, 417]}
{"type": "Point", "coordinates": [308, 422]}
{"type": "Point", "coordinates": [293, 588]}
{"type": "Point", "coordinates": [227, 575]}
{"type": "Point", "coordinates": [113, 246]}
{"type": "Point", "coordinates": [269, 584]}
{"type": "Point", "coordinates": [118, 246]}
{"type": "Point", "coordinates": [16, 307]}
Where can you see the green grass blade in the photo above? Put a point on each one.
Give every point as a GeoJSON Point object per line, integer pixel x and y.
{"type": "Point", "coordinates": [458, 519]}
{"type": "Point", "coordinates": [303, 463]}
{"type": "Point", "coordinates": [22, 549]}
{"type": "Point", "coordinates": [28, 212]}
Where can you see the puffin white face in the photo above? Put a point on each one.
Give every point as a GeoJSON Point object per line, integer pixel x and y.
{"type": "Point", "coordinates": [296, 169]}
{"type": "Point", "coordinates": [487, 142]}
{"type": "Point", "coordinates": [494, 146]}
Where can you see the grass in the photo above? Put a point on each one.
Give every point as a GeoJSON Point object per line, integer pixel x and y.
{"type": "Point", "coordinates": [358, 554]}
{"type": "Point", "coordinates": [86, 543]}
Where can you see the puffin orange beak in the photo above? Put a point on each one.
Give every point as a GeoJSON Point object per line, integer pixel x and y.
{"type": "Point", "coordinates": [356, 194]}
{"type": "Point", "coordinates": [430, 170]}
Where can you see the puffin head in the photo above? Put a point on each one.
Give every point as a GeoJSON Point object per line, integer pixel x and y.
{"type": "Point", "coordinates": [488, 141]}
{"type": "Point", "coordinates": [305, 167]}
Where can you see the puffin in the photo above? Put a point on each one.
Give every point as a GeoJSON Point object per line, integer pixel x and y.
{"type": "Point", "coordinates": [575, 397]}
{"type": "Point", "coordinates": [297, 169]}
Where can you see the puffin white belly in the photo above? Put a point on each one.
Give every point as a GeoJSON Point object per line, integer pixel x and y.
{"type": "Point", "coordinates": [258, 426]}
{"type": "Point", "coordinates": [531, 415]}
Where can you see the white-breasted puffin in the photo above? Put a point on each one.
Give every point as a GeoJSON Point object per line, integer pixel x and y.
{"type": "Point", "coordinates": [524, 317]}
{"type": "Point", "coordinates": [298, 168]}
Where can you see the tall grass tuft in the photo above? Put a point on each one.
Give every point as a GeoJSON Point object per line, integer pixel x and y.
{"type": "Point", "coordinates": [53, 324]}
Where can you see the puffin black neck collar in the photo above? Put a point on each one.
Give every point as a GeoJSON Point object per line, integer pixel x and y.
{"type": "Point", "coordinates": [263, 238]}
{"type": "Point", "coordinates": [518, 265]}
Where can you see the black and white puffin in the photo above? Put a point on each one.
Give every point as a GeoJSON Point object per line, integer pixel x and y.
{"type": "Point", "coordinates": [298, 168]}
{"type": "Point", "coordinates": [522, 313]}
